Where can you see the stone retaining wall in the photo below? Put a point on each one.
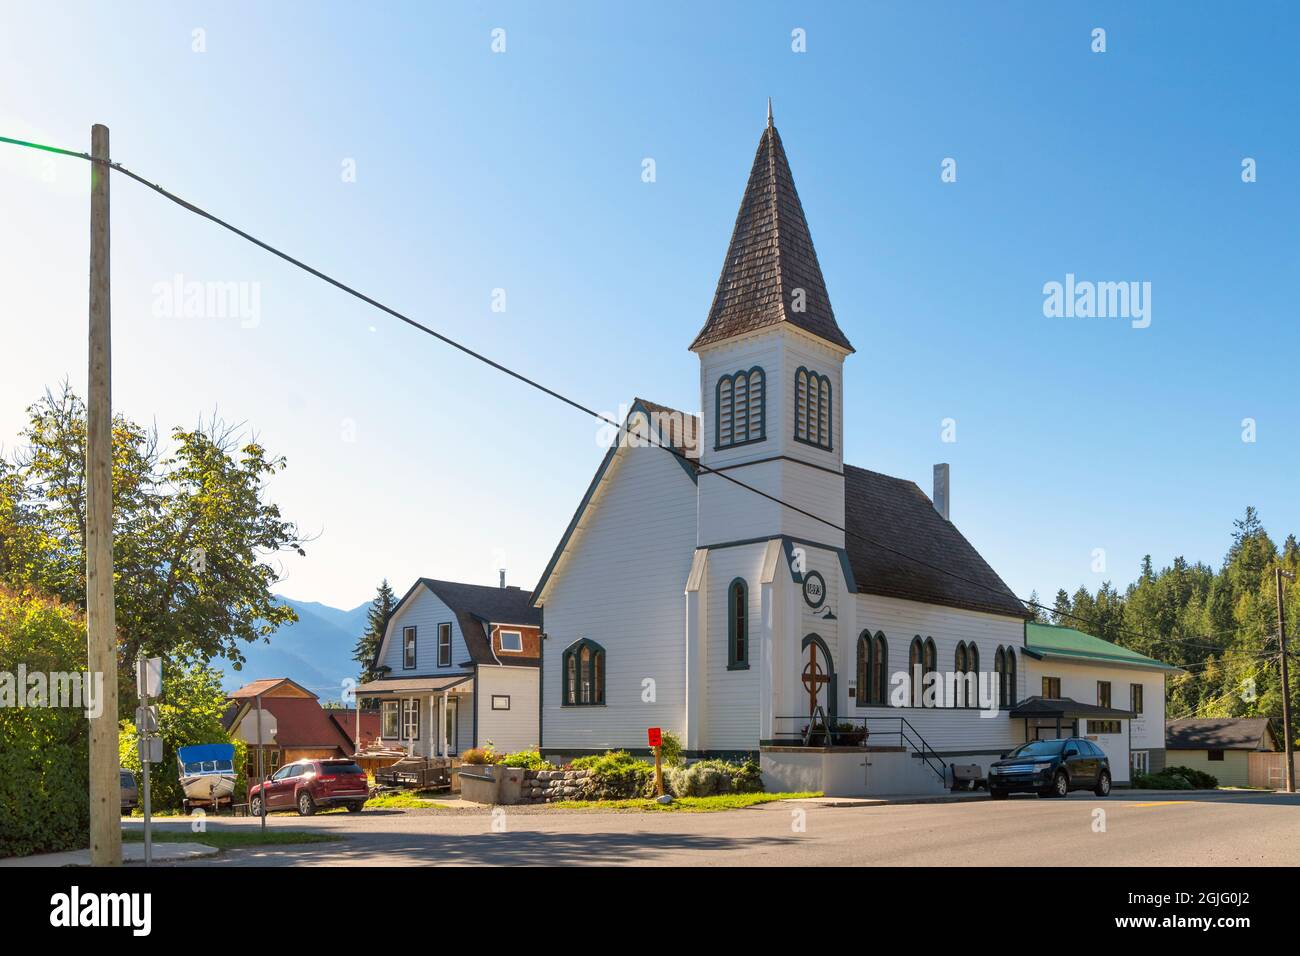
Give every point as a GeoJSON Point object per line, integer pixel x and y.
{"type": "Point", "coordinates": [547, 786]}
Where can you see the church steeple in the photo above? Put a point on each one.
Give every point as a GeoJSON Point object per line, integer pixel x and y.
{"type": "Point", "coordinates": [771, 274]}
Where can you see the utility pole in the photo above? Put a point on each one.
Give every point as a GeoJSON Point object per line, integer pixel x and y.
{"type": "Point", "coordinates": [101, 630]}
{"type": "Point", "coordinates": [1278, 574]}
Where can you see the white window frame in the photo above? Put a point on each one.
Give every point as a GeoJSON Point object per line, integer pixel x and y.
{"type": "Point", "coordinates": [385, 709]}
{"type": "Point", "coordinates": [447, 645]}
{"type": "Point", "coordinates": [410, 718]}
{"type": "Point", "coordinates": [409, 631]}
{"type": "Point", "coordinates": [519, 635]}
{"type": "Point", "coordinates": [500, 697]}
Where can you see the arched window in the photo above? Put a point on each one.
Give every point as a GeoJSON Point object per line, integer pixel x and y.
{"type": "Point", "coordinates": [584, 674]}
{"type": "Point", "coordinates": [1000, 669]}
{"type": "Point", "coordinates": [972, 675]}
{"type": "Point", "coordinates": [737, 625]}
{"type": "Point", "coordinates": [959, 665]}
{"type": "Point", "coordinates": [879, 669]}
{"type": "Point", "coordinates": [1011, 677]}
{"type": "Point", "coordinates": [740, 415]}
{"type": "Point", "coordinates": [916, 669]}
{"type": "Point", "coordinates": [813, 421]}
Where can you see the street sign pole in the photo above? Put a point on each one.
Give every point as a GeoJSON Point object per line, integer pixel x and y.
{"type": "Point", "coordinates": [143, 732]}
{"type": "Point", "coordinates": [261, 778]}
{"type": "Point", "coordinates": [654, 736]}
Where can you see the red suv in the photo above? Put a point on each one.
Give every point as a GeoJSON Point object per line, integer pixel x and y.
{"type": "Point", "coordinates": [305, 785]}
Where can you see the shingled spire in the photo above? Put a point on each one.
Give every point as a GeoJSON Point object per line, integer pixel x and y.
{"type": "Point", "coordinates": [770, 258]}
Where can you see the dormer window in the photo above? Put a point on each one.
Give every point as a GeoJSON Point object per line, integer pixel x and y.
{"type": "Point", "coordinates": [740, 416]}
{"type": "Point", "coordinates": [812, 408]}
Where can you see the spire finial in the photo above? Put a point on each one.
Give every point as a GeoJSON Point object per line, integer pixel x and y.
{"type": "Point", "coordinates": [769, 112]}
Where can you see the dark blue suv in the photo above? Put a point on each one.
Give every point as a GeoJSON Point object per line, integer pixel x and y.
{"type": "Point", "coordinates": [1051, 768]}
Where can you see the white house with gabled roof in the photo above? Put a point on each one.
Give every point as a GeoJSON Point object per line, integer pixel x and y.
{"type": "Point", "coordinates": [460, 669]}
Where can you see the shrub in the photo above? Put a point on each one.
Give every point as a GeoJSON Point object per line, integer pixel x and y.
{"type": "Point", "coordinates": [478, 756]}
{"type": "Point", "coordinates": [1197, 778]}
{"type": "Point", "coordinates": [615, 775]}
{"type": "Point", "coordinates": [1176, 778]}
{"type": "Point", "coordinates": [527, 759]}
{"type": "Point", "coordinates": [670, 750]}
{"type": "Point", "coordinates": [707, 778]}
{"type": "Point", "coordinates": [1160, 781]}
{"type": "Point", "coordinates": [44, 751]}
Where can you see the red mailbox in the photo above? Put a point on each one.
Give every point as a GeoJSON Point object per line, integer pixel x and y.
{"type": "Point", "coordinates": [655, 736]}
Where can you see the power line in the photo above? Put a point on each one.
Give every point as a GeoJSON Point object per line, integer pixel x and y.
{"type": "Point", "coordinates": [1195, 712]}
{"type": "Point", "coordinates": [519, 376]}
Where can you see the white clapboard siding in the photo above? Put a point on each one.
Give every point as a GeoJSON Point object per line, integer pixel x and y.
{"type": "Point", "coordinates": [731, 513]}
{"type": "Point", "coordinates": [732, 702]}
{"type": "Point", "coordinates": [514, 729]}
{"type": "Point", "coordinates": [944, 729]}
{"type": "Point", "coordinates": [622, 585]}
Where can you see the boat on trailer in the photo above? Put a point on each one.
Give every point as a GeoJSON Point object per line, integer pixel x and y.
{"type": "Point", "coordinates": [207, 775]}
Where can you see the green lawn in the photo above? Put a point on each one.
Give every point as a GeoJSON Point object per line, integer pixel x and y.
{"type": "Point", "coordinates": [411, 800]}
{"type": "Point", "coordinates": [726, 801]}
{"type": "Point", "coordinates": [230, 839]}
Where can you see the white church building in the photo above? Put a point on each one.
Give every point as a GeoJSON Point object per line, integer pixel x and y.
{"type": "Point", "coordinates": [749, 589]}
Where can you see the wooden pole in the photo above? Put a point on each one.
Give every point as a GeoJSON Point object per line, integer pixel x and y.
{"type": "Point", "coordinates": [1286, 683]}
{"type": "Point", "coordinates": [101, 630]}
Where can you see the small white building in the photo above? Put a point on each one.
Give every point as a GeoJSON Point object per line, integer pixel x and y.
{"type": "Point", "coordinates": [728, 577]}
{"type": "Point", "coordinates": [1113, 696]}
{"type": "Point", "coordinates": [461, 670]}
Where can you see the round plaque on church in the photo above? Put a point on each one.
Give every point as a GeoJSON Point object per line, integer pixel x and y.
{"type": "Point", "coordinates": [814, 589]}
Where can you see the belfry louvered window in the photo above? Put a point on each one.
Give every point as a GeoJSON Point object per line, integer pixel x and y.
{"type": "Point", "coordinates": [813, 408]}
{"type": "Point", "coordinates": [741, 414]}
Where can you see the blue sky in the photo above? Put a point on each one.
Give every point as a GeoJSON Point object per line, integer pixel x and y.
{"type": "Point", "coordinates": [522, 171]}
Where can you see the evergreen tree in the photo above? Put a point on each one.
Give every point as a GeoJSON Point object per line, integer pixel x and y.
{"type": "Point", "coordinates": [1061, 608]}
{"type": "Point", "coordinates": [1040, 615]}
{"type": "Point", "coordinates": [377, 617]}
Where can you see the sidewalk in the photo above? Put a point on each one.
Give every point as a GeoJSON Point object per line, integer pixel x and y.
{"type": "Point", "coordinates": [131, 853]}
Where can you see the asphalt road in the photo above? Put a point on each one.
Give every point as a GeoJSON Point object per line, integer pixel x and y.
{"type": "Point", "coordinates": [1149, 829]}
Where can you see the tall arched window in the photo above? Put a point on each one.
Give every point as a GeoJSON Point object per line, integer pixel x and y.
{"type": "Point", "coordinates": [959, 665]}
{"type": "Point", "coordinates": [813, 408]}
{"type": "Point", "coordinates": [737, 625]}
{"type": "Point", "coordinates": [879, 669]}
{"type": "Point", "coordinates": [584, 674]}
{"type": "Point", "coordinates": [1000, 669]}
{"type": "Point", "coordinates": [740, 414]}
{"type": "Point", "coordinates": [916, 668]}
{"type": "Point", "coordinates": [972, 675]}
{"type": "Point", "coordinates": [863, 684]}
{"type": "Point", "coordinates": [1011, 678]}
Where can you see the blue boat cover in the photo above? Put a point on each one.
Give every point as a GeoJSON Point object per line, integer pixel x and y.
{"type": "Point", "coordinates": [206, 752]}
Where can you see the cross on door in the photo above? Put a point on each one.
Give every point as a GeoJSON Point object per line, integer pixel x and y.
{"type": "Point", "coordinates": [813, 678]}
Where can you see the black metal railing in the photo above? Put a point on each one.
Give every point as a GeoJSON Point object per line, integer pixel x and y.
{"type": "Point", "coordinates": [821, 730]}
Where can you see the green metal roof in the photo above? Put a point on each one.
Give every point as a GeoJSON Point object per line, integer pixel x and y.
{"type": "Point", "coordinates": [1053, 641]}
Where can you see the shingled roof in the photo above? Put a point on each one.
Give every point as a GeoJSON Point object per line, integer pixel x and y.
{"type": "Point", "coordinates": [475, 603]}
{"type": "Point", "coordinates": [901, 520]}
{"type": "Point", "coordinates": [1220, 733]}
{"type": "Point", "coordinates": [770, 256]}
